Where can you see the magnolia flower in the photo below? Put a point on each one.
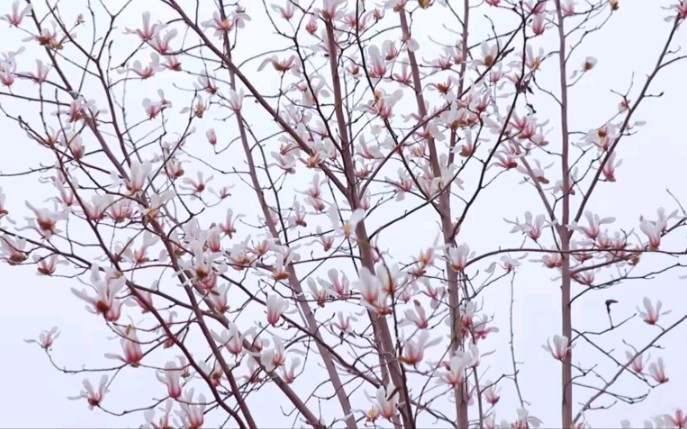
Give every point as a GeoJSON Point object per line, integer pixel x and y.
{"type": "Point", "coordinates": [66, 197]}
{"type": "Point", "coordinates": [3, 209]}
{"type": "Point", "coordinates": [48, 37]}
{"type": "Point", "coordinates": [532, 226]}
{"type": "Point", "coordinates": [150, 69]}
{"type": "Point", "coordinates": [171, 377]}
{"type": "Point", "coordinates": [46, 220]}
{"type": "Point", "coordinates": [202, 263]}
{"type": "Point", "coordinates": [346, 229]}
{"type": "Point", "coordinates": [589, 63]}
{"type": "Point", "coordinates": [458, 256]}
{"type": "Point", "coordinates": [652, 312]}
{"type": "Point", "coordinates": [552, 260]}
{"type": "Point", "coordinates": [46, 338]}
{"type": "Point", "coordinates": [396, 5]}
{"type": "Point", "coordinates": [275, 357]}
{"type": "Point", "coordinates": [489, 421]}
{"type": "Point", "coordinates": [435, 294]}
{"type": "Point", "coordinates": [455, 373]}
{"type": "Point", "coordinates": [105, 290]}
{"type": "Point", "coordinates": [254, 372]}
{"type": "Point", "coordinates": [536, 173]}
{"type": "Point", "coordinates": [139, 175]}
{"type": "Point", "coordinates": [585, 277]}
{"type": "Point", "coordinates": [163, 422]}
{"type": "Point", "coordinates": [539, 23]}
{"type": "Point", "coordinates": [74, 143]}
{"type": "Point", "coordinates": [284, 65]}
{"type": "Point", "coordinates": [228, 227]}
{"type": "Point", "coordinates": [344, 323]}
{"type": "Point", "coordinates": [16, 17]}
{"type": "Point", "coordinates": [195, 186]}
{"type": "Point", "coordinates": [593, 230]}
{"type": "Point", "coordinates": [284, 257]}
{"type": "Point", "coordinates": [286, 161]}
{"type": "Point", "coordinates": [10, 58]}
{"type": "Point", "coordinates": [388, 276]}
{"type": "Point", "coordinates": [95, 210]}
{"type": "Point", "coordinates": [560, 347]}
{"type": "Point", "coordinates": [219, 299]}
{"type": "Point", "coordinates": [510, 263]}
{"type": "Point", "coordinates": [310, 95]}
{"type": "Point", "coordinates": [637, 361]}
{"type": "Point", "coordinates": [12, 250]}
{"type": "Point", "coordinates": [431, 184]}
{"type": "Point", "coordinates": [235, 100]}
{"type": "Point", "coordinates": [239, 256]}
{"type": "Point", "coordinates": [376, 63]}
{"type": "Point", "coordinates": [276, 305]}
{"type": "Point", "coordinates": [657, 371]}
{"type": "Point", "coordinates": [655, 229]}
{"type": "Point", "coordinates": [468, 146]}
{"type": "Point", "coordinates": [387, 401]}
{"type": "Point", "coordinates": [147, 32]}
{"type": "Point", "coordinates": [320, 295]}
{"type": "Point", "coordinates": [480, 330]}
{"type": "Point", "coordinates": [192, 412]}
{"type": "Point", "coordinates": [219, 24]}
{"type": "Point", "coordinates": [162, 44]}
{"type": "Point", "coordinates": [144, 300]}
{"type": "Point", "coordinates": [41, 74]}
{"type": "Point", "coordinates": [121, 210]}
{"type": "Point", "coordinates": [231, 339]}
{"type": "Point", "coordinates": [568, 7]}
{"type": "Point", "coordinates": [383, 104]}
{"type": "Point", "coordinates": [610, 166]}
{"type": "Point", "coordinates": [653, 232]}
{"type": "Point", "coordinates": [657, 422]}
{"type": "Point", "coordinates": [402, 185]}
{"type": "Point", "coordinates": [679, 9]}
{"type": "Point", "coordinates": [170, 338]}
{"type": "Point", "coordinates": [335, 286]}
{"type": "Point", "coordinates": [369, 286]}
{"type": "Point", "coordinates": [489, 54]}
{"type": "Point", "coordinates": [171, 63]}
{"type": "Point", "coordinates": [603, 136]}
{"type": "Point", "coordinates": [678, 418]}
{"type": "Point", "coordinates": [490, 393]}
{"type": "Point", "coordinates": [417, 318]}
{"type": "Point", "coordinates": [214, 372]}
{"type": "Point", "coordinates": [157, 201]}
{"type": "Point", "coordinates": [286, 12]}
{"type": "Point", "coordinates": [525, 421]}
{"type": "Point", "coordinates": [139, 256]}
{"type": "Point", "coordinates": [240, 17]}
{"type": "Point", "coordinates": [332, 9]}
{"type": "Point", "coordinates": [413, 351]}
{"type": "Point", "coordinates": [371, 415]}
{"type": "Point", "coordinates": [506, 160]}
{"type": "Point", "coordinates": [131, 347]}
{"type": "Point", "coordinates": [153, 109]}
{"type": "Point", "coordinates": [288, 375]}
{"type": "Point", "coordinates": [311, 26]}
{"type": "Point", "coordinates": [206, 83]}
{"type": "Point", "coordinates": [298, 216]}
{"type": "Point", "coordinates": [93, 396]}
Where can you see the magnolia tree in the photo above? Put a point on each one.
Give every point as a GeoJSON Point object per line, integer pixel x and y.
{"type": "Point", "coordinates": [284, 204]}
